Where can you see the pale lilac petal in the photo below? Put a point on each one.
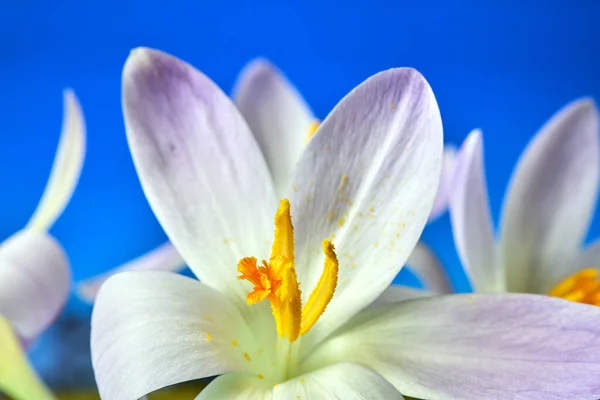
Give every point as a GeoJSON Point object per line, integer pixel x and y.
{"type": "Point", "coordinates": [200, 167]}
{"type": "Point", "coordinates": [367, 180]}
{"type": "Point", "coordinates": [442, 198]}
{"type": "Point", "coordinates": [277, 115]}
{"type": "Point", "coordinates": [238, 386]}
{"type": "Point", "coordinates": [154, 329]}
{"type": "Point", "coordinates": [17, 377]}
{"type": "Point", "coordinates": [471, 220]}
{"type": "Point", "coordinates": [428, 269]}
{"type": "Point", "coordinates": [34, 282]}
{"type": "Point", "coordinates": [343, 381]}
{"type": "Point", "coordinates": [477, 346]}
{"type": "Point", "coordinates": [551, 199]}
{"type": "Point", "coordinates": [66, 168]}
{"type": "Point", "coordinates": [163, 258]}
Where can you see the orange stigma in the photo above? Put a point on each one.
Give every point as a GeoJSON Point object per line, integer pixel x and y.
{"type": "Point", "coordinates": [276, 280]}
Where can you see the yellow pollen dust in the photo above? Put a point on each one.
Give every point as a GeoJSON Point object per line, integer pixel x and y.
{"type": "Point", "coordinates": [276, 280]}
{"type": "Point", "coordinates": [312, 129]}
{"type": "Point", "coordinates": [581, 287]}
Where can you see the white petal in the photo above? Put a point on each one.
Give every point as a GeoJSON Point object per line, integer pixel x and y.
{"type": "Point", "coordinates": [17, 378]}
{"type": "Point", "coordinates": [442, 198]}
{"type": "Point", "coordinates": [66, 168]}
{"type": "Point", "coordinates": [344, 381]}
{"type": "Point", "coordinates": [477, 346]}
{"type": "Point", "coordinates": [551, 199]}
{"type": "Point", "coordinates": [199, 165]}
{"type": "Point", "coordinates": [471, 220]}
{"type": "Point", "coordinates": [367, 180]}
{"type": "Point", "coordinates": [163, 258]}
{"type": "Point", "coordinates": [154, 329]}
{"type": "Point", "coordinates": [396, 293]}
{"type": "Point", "coordinates": [238, 386]}
{"type": "Point", "coordinates": [277, 115]}
{"type": "Point", "coordinates": [34, 281]}
{"type": "Point", "coordinates": [428, 269]}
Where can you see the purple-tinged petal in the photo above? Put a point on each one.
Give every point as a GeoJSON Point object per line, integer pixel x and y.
{"type": "Point", "coordinates": [551, 200]}
{"type": "Point", "coordinates": [471, 220]}
{"type": "Point", "coordinates": [277, 115]}
{"type": "Point", "coordinates": [34, 282]}
{"type": "Point", "coordinates": [200, 167]}
{"type": "Point", "coordinates": [367, 180]}
{"type": "Point", "coordinates": [163, 258]}
{"type": "Point", "coordinates": [477, 346]}
{"type": "Point", "coordinates": [154, 329]}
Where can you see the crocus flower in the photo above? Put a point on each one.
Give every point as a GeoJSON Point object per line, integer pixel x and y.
{"type": "Point", "coordinates": [547, 211]}
{"type": "Point", "coordinates": [295, 325]}
{"type": "Point", "coordinates": [282, 124]}
{"type": "Point", "coordinates": [34, 270]}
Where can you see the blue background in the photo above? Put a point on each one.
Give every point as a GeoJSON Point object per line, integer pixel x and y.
{"type": "Point", "coordinates": [504, 66]}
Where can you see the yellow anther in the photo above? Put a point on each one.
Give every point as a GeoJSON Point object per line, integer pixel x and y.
{"type": "Point", "coordinates": [323, 292]}
{"type": "Point", "coordinates": [276, 280]}
{"type": "Point", "coordinates": [312, 129]}
{"type": "Point", "coordinates": [581, 287]}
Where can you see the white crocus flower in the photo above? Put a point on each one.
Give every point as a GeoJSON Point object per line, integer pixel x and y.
{"type": "Point", "coordinates": [294, 325]}
{"type": "Point", "coordinates": [34, 270]}
{"type": "Point", "coordinates": [547, 211]}
{"type": "Point", "coordinates": [282, 124]}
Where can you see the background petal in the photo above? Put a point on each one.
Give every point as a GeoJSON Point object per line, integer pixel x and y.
{"type": "Point", "coordinates": [163, 258]}
{"type": "Point", "coordinates": [477, 346]}
{"type": "Point", "coordinates": [551, 199]}
{"type": "Point", "coordinates": [34, 281]}
{"type": "Point", "coordinates": [396, 293]}
{"type": "Point", "coordinates": [471, 219]}
{"type": "Point", "coordinates": [442, 198]}
{"type": "Point", "coordinates": [428, 269]}
{"type": "Point", "coordinates": [17, 377]}
{"type": "Point", "coordinates": [153, 329]}
{"type": "Point", "coordinates": [277, 115]}
{"type": "Point", "coordinates": [66, 168]}
{"type": "Point", "coordinates": [344, 381]}
{"type": "Point", "coordinates": [367, 181]}
{"type": "Point", "coordinates": [590, 257]}
{"type": "Point", "coordinates": [199, 165]}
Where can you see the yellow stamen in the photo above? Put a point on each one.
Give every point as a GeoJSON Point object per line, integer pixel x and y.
{"type": "Point", "coordinates": [312, 129]}
{"type": "Point", "coordinates": [276, 281]}
{"type": "Point", "coordinates": [582, 287]}
{"type": "Point", "coordinates": [17, 378]}
{"type": "Point", "coordinates": [323, 292]}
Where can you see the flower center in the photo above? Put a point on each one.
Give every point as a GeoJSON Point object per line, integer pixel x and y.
{"type": "Point", "coordinates": [312, 129]}
{"type": "Point", "coordinates": [276, 281]}
{"type": "Point", "coordinates": [582, 287]}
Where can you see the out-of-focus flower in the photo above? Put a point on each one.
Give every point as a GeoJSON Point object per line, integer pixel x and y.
{"type": "Point", "coordinates": [547, 211]}
{"type": "Point", "coordinates": [282, 124]}
{"type": "Point", "coordinates": [34, 270]}
{"type": "Point", "coordinates": [366, 182]}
